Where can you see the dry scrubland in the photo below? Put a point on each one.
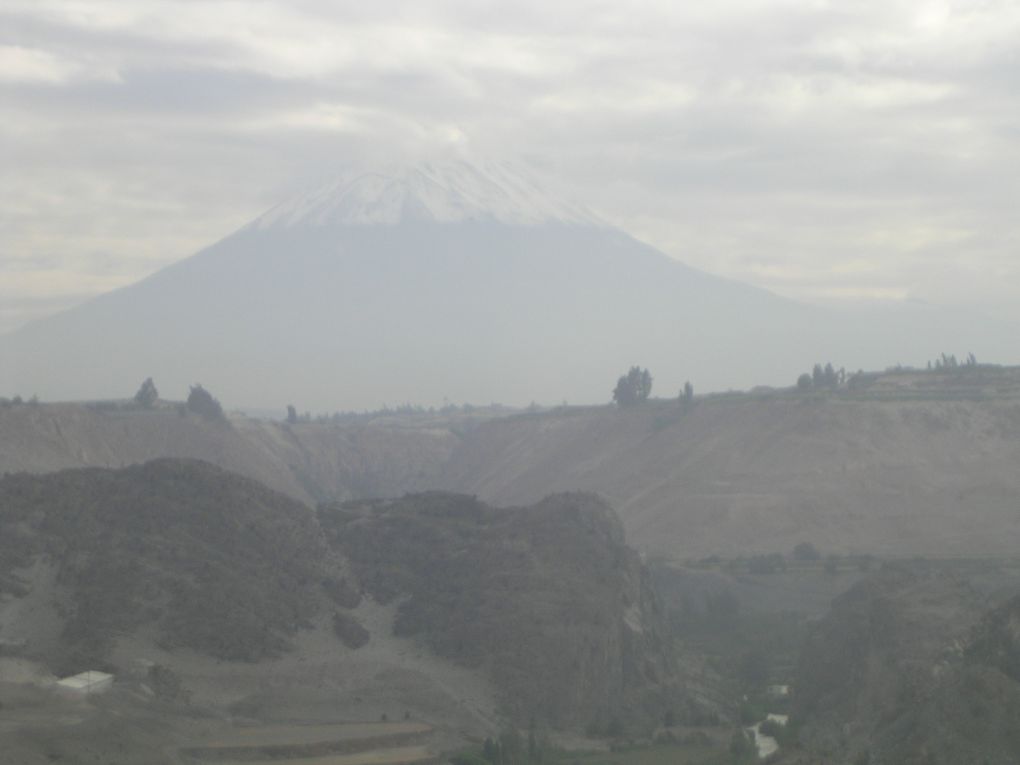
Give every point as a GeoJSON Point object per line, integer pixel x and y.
{"type": "Point", "coordinates": [757, 475]}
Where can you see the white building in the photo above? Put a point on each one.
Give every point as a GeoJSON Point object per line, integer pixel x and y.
{"type": "Point", "coordinates": [86, 683]}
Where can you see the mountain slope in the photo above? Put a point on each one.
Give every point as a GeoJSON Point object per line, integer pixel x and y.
{"type": "Point", "coordinates": [445, 281]}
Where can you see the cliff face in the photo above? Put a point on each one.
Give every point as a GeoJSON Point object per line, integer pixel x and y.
{"type": "Point", "coordinates": [913, 668]}
{"type": "Point", "coordinates": [917, 472]}
{"type": "Point", "coordinates": [547, 599]}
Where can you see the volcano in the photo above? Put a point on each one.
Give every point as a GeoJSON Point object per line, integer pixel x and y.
{"type": "Point", "coordinates": [453, 282]}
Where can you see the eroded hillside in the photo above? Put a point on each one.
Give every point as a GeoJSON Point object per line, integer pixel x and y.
{"type": "Point", "coordinates": [917, 464]}
{"type": "Point", "coordinates": [308, 461]}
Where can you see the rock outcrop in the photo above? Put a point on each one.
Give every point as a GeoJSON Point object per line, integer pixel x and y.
{"type": "Point", "coordinates": [547, 599]}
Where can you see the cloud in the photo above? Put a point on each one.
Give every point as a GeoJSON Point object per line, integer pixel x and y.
{"type": "Point", "coordinates": [773, 141]}
{"type": "Point", "coordinates": [34, 66]}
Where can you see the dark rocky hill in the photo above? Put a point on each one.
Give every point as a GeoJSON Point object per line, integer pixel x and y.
{"type": "Point", "coordinates": [182, 560]}
{"type": "Point", "coordinates": [913, 667]}
{"type": "Point", "coordinates": [210, 560]}
{"type": "Point", "coordinates": [548, 599]}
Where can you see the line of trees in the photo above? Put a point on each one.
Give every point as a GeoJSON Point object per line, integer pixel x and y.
{"type": "Point", "coordinates": [200, 401]}
{"type": "Point", "coordinates": [948, 361]}
{"type": "Point", "coordinates": [822, 378]}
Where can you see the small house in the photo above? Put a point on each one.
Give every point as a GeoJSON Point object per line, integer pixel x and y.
{"type": "Point", "coordinates": [85, 683]}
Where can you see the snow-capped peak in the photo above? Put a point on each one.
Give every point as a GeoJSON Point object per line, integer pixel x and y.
{"type": "Point", "coordinates": [446, 192]}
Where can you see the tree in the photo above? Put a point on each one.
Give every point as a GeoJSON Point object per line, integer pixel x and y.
{"type": "Point", "coordinates": [829, 376]}
{"type": "Point", "coordinates": [818, 376]}
{"type": "Point", "coordinates": [804, 382]}
{"type": "Point", "coordinates": [633, 387]}
{"type": "Point", "coordinates": [688, 394]}
{"type": "Point", "coordinates": [147, 394]}
{"type": "Point", "coordinates": [201, 402]}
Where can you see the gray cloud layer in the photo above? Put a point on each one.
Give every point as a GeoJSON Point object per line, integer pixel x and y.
{"type": "Point", "coordinates": [823, 150]}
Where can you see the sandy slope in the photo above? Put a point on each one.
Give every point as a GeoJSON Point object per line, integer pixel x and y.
{"type": "Point", "coordinates": [306, 461]}
{"type": "Point", "coordinates": [751, 474]}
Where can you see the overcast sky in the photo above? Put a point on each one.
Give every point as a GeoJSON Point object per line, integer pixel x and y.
{"type": "Point", "coordinates": [839, 150]}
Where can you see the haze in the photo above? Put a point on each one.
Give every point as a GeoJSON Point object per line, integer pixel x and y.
{"type": "Point", "coordinates": [479, 383]}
